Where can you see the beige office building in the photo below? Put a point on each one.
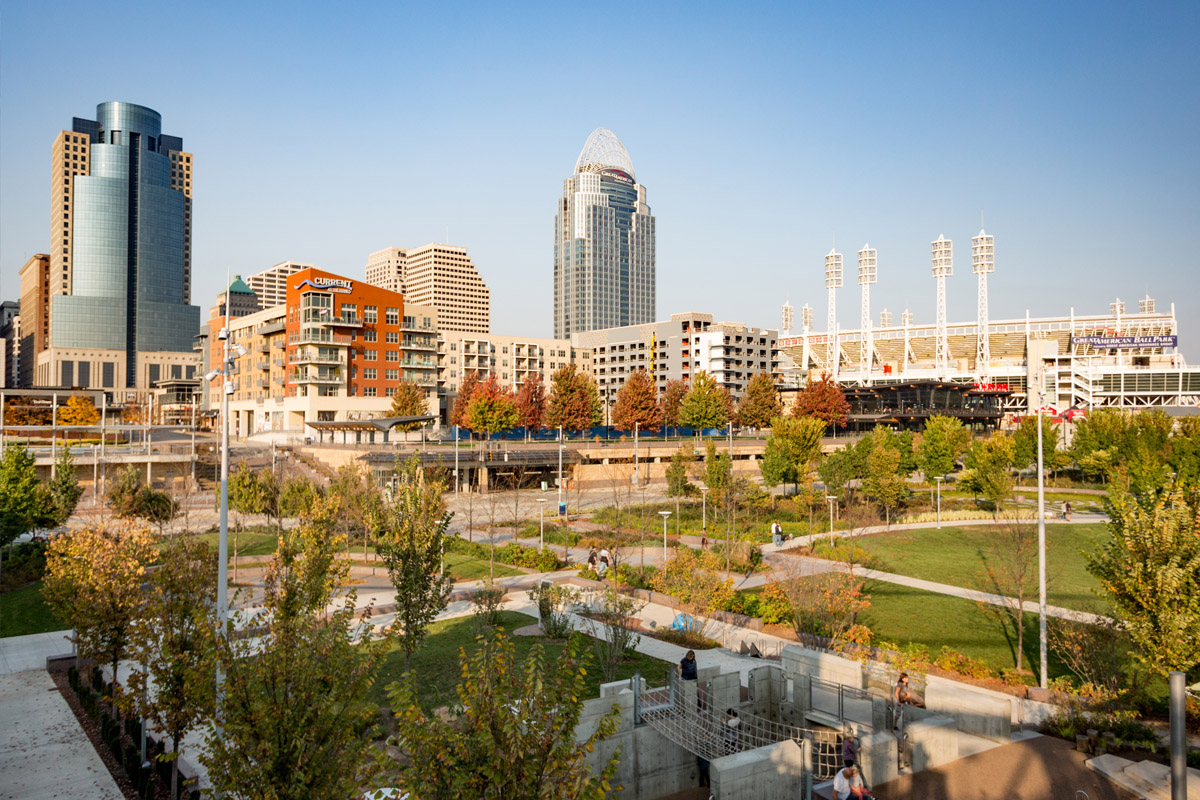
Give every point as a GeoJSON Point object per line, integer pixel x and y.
{"type": "Point", "coordinates": [511, 358]}
{"type": "Point", "coordinates": [270, 285]}
{"type": "Point", "coordinates": [437, 275]}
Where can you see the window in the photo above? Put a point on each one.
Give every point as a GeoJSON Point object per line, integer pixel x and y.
{"type": "Point", "coordinates": [390, 391]}
{"type": "Point", "coordinates": [371, 314]}
{"type": "Point", "coordinates": [391, 355]}
{"type": "Point", "coordinates": [370, 355]}
{"type": "Point", "coordinates": [393, 316]}
{"type": "Point", "coordinates": [370, 336]}
{"type": "Point", "coordinates": [349, 310]}
{"type": "Point", "coordinates": [392, 337]}
{"type": "Point", "coordinates": [369, 391]}
{"type": "Point", "coordinates": [392, 374]}
{"type": "Point", "coordinates": [370, 374]}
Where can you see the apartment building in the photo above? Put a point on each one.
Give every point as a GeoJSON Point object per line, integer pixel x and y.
{"type": "Point", "coordinates": [35, 316]}
{"type": "Point", "coordinates": [440, 276]}
{"type": "Point", "coordinates": [270, 285]}
{"type": "Point", "coordinates": [10, 342]}
{"type": "Point", "coordinates": [335, 350]}
{"type": "Point", "coordinates": [731, 352]}
{"type": "Point", "coordinates": [511, 358]}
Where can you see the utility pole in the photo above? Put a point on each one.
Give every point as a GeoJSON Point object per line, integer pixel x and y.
{"type": "Point", "coordinates": [1042, 644]}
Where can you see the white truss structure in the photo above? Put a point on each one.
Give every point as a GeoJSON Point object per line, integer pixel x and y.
{"type": "Point", "coordinates": [833, 282]}
{"type": "Point", "coordinates": [789, 318]}
{"type": "Point", "coordinates": [867, 275]}
{"type": "Point", "coordinates": [885, 319]}
{"type": "Point", "coordinates": [603, 150]}
{"type": "Point", "coordinates": [906, 319]}
{"type": "Point", "coordinates": [806, 323]}
{"type": "Point", "coordinates": [1146, 306]}
{"type": "Point", "coordinates": [983, 263]}
{"type": "Point", "coordinates": [943, 267]}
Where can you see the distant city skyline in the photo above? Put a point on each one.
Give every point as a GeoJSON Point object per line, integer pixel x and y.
{"type": "Point", "coordinates": [772, 133]}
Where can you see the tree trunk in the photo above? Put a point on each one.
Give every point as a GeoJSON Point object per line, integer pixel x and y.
{"type": "Point", "coordinates": [174, 768]}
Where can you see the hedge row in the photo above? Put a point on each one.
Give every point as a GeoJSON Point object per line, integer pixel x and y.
{"type": "Point", "coordinates": [512, 553]}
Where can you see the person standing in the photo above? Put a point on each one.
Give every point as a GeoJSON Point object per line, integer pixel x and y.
{"type": "Point", "coordinates": [901, 696]}
{"type": "Point", "coordinates": [605, 561]}
{"type": "Point", "coordinates": [687, 666]}
{"type": "Point", "coordinates": [849, 748]}
{"type": "Point", "coordinates": [732, 729]}
{"type": "Point", "coordinates": [704, 538]}
{"type": "Point", "coordinates": [1067, 510]}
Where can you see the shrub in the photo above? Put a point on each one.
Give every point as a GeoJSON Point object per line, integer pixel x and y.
{"type": "Point", "coordinates": [773, 605]}
{"type": "Point", "coordinates": [637, 577]}
{"type": "Point", "coordinates": [688, 639]}
{"type": "Point", "coordinates": [512, 553]}
{"type": "Point", "coordinates": [1193, 759]}
{"type": "Point", "coordinates": [24, 564]}
{"type": "Point", "coordinates": [743, 603]}
{"type": "Point", "coordinates": [955, 661]}
{"type": "Point", "coordinates": [486, 604]}
{"type": "Point", "coordinates": [553, 602]}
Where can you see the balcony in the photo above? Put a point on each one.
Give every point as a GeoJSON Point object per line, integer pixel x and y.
{"type": "Point", "coordinates": [407, 327]}
{"type": "Point", "coordinates": [318, 377]}
{"type": "Point", "coordinates": [263, 347]}
{"type": "Point", "coordinates": [277, 362]}
{"type": "Point", "coordinates": [279, 342]}
{"type": "Point", "coordinates": [339, 322]}
{"type": "Point", "coordinates": [275, 326]}
{"type": "Point", "coordinates": [262, 363]}
{"type": "Point", "coordinates": [421, 380]}
{"type": "Point", "coordinates": [412, 362]}
{"type": "Point", "coordinates": [278, 381]}
{"type": "Point", "coordinates": [313, 358]}
{"type": "Point", "coordinates": [420, 344]}
{"type": "Point", "coordinates": [317, 336]}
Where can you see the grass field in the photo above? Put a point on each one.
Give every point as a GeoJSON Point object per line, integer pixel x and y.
{"type": "Point", "coordinates": [436, 669]}
{"type": "Point", "coordinates": [23, 612]}
{"type": "Point", "coordinates": [954, 556]}
{"type": "Point", "coordinates": [249, 543]}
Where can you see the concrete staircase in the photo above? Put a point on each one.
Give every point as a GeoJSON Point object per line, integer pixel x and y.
{"type": "Point", "coordinates": [1144, 779]}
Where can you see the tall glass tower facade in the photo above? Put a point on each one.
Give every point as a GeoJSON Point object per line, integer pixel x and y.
{"type": "Point", "coordinates": [603, 243]}
{"type": "Point", "coordinates": [126, 283]}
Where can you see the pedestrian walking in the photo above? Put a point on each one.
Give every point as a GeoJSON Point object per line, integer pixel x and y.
{"type": "Point", "coordinates": [592, 558]}
{"type": "Point", "coordinates": [776, 534]}
{"type": "Point", "coordinates": [1067, 510]}
{"type": "Point", "coordinates": [732, 730]}
{"type": "Point", "coordinates": [704, 538]}
{"type": "Point", "coordinates": [687, 666]}
{"type": "Point", "coordinates": [849, 748]}
{"type": "Point", "coordinates": [605, 561]}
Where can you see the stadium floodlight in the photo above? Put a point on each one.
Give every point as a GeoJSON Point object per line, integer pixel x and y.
{"type": "Point", "coordinates": [885, 319]}
{"type": "Point", "coordinates": [1146, 306]}
{"type": "Point", "coordinates": [789, 317]}
{"type": "Point", "coordinates": [806, 317]}
{"type": "Point", "coordinates": [833, 282]}
{"type": "Point", "coordinates": [867, 275]}
{"type": "Point", "coordinates": [943, 267]}
{"type": "Point", "coordinates": [1116, 308]}
{"type": "Point", "coordinates": [983, 263]}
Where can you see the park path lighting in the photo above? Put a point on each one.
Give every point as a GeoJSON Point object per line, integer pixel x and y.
{"type": "Point", "coordinates": [664, 515]}
{"type": "Point", "coordinates": [561, 447]}
{"type": "Point", "coordinates": [832, 499]}
{"type": "Point", "coordinates": [939, 480]}
{"type": "Point", "coordinates": [704, 508]}
{"type": "Point", "coordinates": [1041, 480]}
{"type": "Point", "coordinates": [455, 462]}
{"type": "Point", "coordinates": [542, 525]}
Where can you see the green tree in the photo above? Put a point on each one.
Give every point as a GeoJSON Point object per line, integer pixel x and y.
{"type": "Point", "coordinates": [942, 442]}
{"type": "Point", "coordinates": [718, 469]}
{"type": "Point", "coordinates": [693, 578]}
{"type": "Point", "coordinates": [837, 470]}
{"type": "Point", "coordinates": [884, 481]}
{"type": "Point", "coordinates": [1150, 570]}
{"type": "Point", "coordinates": [760, 405]}
{"type": "Point", "coordinates": [1025, 441]}
{"type": "Point", "coordinates": [677, 475]}
{"type": "Point", "coordinates": [409, 401]}
{"type": "Point", "coordinates": [990, 463]}
{"type": "Point", "coordinates": [792, 446]}
{"type": "Point", "coordinates": [574, 400]}
{"type": "Point", "coordinates": [492, 409]}
{"type": "Point", "coordinates": [531, 402]}
{"type": "Point", "coordinates": [1183, 452]}
{"type": "Point", "coordinates": [411, 545]}
{"type": "Point", "coordinates": [637, 403]}
{"type": "Point", "coordinates": [94, 579]}
{"type": "Point", "coordinates": [707, 404]}
{"type": "Point", "coordinates": [173, 647]}
{"type": "Point", "coordinates": [63, 491]}
{"type": "Point", "coordinates": [297, 496]}
{"type": "Point", "coordinates": [23, 500]}
{"type": "Point", "coordinates": [1102, 430]}
{"type": "Point", "coordinates": [296, 717]}
{"type": "Point", "coordinates": [462, 398]}
{"type": "Point", "coordinates": [823, 399]}
{"type": "Point", "coordinates": [672, 398]}
{"type": "Point", "coordinates": [512, 734]}
{"type": "Point", "coordinates": [130, 499]}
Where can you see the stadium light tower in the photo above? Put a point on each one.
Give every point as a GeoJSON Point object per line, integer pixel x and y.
{"type": "Point", "coordinates": [943, 267]}
{"type": "Point", "coordinates": [833, 282]}
{"type": "Point", "coordinates": [1116, 308]}
{"type": "Point", "coordinates": [806, 323]}
{"type": "Point", "coordinates": [906, 319]}
{"type": "Point", "coordinates": [983, 263]}
{"type": "Point", "coordinates": [885, 319]}
{"type": "Point", "coordinates": [867, 275]}
{"type": "Point", "coordinates": [789, 317]}
{"type": "Point", "coordinates": [1146, 305]}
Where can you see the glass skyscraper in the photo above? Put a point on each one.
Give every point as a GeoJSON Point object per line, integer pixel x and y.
{"type": "Point", "coordinates": [603, 243]}
{"type": "Point", "coordinates": [120, 287]}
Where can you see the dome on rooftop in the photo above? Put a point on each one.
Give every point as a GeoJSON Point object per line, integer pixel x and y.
{"type": "Point", "coordinates": [603, 150]}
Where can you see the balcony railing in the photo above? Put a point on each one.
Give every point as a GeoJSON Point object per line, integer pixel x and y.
{"type": "Point", "coordinates": [418, 328]}
{"type": "Point", "coordinates": [313, 358]}
{"type": "Point", "coordinates": [263, 347]}
{"type": "Point", "coordinates": [316, 377]}
{"type": "Point", "coordinates": [262, 363]}
{"type": "Point", "coordinates": [341, 322]}
{"type": "Point", "coordinates": [317, 336]}
{"type": "Point", "coordinates": [419, 344]}
{"type": "Point", "coordinates": [419, 364]}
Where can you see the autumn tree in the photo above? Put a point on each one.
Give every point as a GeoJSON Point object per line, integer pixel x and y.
{"type": "Point", "coordinates": [1150, 571]}
{"type": "Point", "coordinates": [94, 579]}
{"type": "Point", "coordinates": [792, 446]}
{"type": "Point", "coordinates": [672, 398]}
{"type": "Point", "coordinates": [824, 400]}
{"type": "Point", "coordinates": [1025, 441]}
{"type": "Point", "coordinates": [409, 401]}
{"type": "Point", "coordinates": [297, 495]}
{"type": "Point", "coordinates": [822, 608]}
{"type": "Point", "coordinates": [574, 400]}
{"type": "Point", "coordinates": [706, 405]}
{"type": "Point", "coordinates": [296, 717]}
{"type": "Point", "coordinates": [492, 409]}
{"type": "Point", "coordinates": [693, 578]}
{"type": "Point", "coordinates": [78, 410]}
{"type": "Point", "coordinates": [411, 545]}
{"type": "Point", "coordinates": [942, 442]}
{"type": "Point", "coordinates": [462, 398]}
{"type": "Point", "coordinates": [360, 501]}
{"type": "Point", "coordinates": [760, 405]}
{"type": "Point", "coordinates": [512, 733]}
{"type": "Point", "coordinates": [637, 403]}
{"type": "Point", "coordinates": [1010, 553]}
{"type": "Point", "coordinates": [531, 402]}
{"type": "Point", "coordinates": [173, 645]}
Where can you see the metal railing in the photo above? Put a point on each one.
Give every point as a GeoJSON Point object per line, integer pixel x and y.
{"type": "Point", "coordinates": [847, 703]}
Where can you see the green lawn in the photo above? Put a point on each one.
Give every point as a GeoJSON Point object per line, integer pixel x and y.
{"type": "Point", "coordinates": [465, 568]}
{"type": "Point", "coordinates": [249, 543]}
{"type": "Point", "coordinates": [954, 556]}
{"type": "Point", "coordinates": [436, 666]}
{"type": "Point", "coordinates": [23, 612]}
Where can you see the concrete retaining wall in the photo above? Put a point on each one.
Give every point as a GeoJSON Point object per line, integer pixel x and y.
{"type": "Point", "coordinates": [650, 765]}
{"type": "Point", "coordinates": [877, 758]}
{"type": "Point", "coordinates": [932, 742]}
{"type": "Point", "coordinates": [982, 713]}
{"type": "Point", "coordinates": [826, 666]}
{"type": "Point", "coordinates": [774, 771]}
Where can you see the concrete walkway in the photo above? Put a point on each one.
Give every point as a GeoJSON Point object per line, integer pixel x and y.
{"type": "Point", "coordinates": [43, 751]}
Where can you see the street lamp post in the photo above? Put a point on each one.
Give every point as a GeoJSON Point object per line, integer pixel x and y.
{"type": "Point", "coordinates": [832, 499]}
{"type": "Point", "coordinates": [1042, 643]}
{"type": "Point", "coordinates": [704, 508]}
{"type": "Point", "coordinates": [561, 447]}
{"type": "Point", "coordinates": [664, 515]}
{"type": "Point", "coordinates": [939, 480]}
{"type": "Point", "coordinates": [542, 524]}
{"type": "Point", "coordinates": [456, 462]}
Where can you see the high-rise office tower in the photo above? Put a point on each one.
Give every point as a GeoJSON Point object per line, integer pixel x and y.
{"type": "Point", "coordinates": [120, 258]}
{"type": "Point", "coordinates": [270, 285]}
{"type": "Point", "coordinates": [603, 243]}
{"type": "Point", "coordinates": [35, 316]}
{"type": "Point", "coordinates": [437, 275]}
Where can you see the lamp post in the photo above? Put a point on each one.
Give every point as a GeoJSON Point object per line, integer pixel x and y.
{"type": "Point", "coordinates": [636, 479]}
{"type": "Point", "coordinates": [542, 524]}
{"type": "Point", "coordinates": [455, 462]}
{"type": "Point", "coordinates": [664, 515]}
{"type": "Point", "coordinates": [832, 499]}
{"type": "Point", "coordinates": [561, 447]}
{"type": "Point", "coordinates": [939, 480]}
{"type": "Point", "coordinates": [704, 508]}
{"type": "Point", "coordinates": [1042, 645]}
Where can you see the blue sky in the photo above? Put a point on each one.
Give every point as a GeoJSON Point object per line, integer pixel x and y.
{"type": "Point", "coordinates": [762, 133]}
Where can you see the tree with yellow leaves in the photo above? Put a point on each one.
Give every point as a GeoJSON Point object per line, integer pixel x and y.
{"type": "Point", "coordinates": [79, 410]}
